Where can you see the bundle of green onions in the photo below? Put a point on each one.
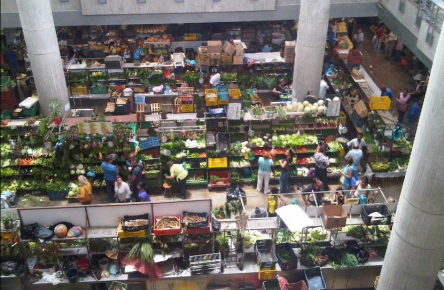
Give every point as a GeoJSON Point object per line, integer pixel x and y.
{"type": "Point", "coordinates": [142, 250]}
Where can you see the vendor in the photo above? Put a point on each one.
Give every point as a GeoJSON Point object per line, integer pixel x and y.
{"type": "Point", "coordinates": [316, 187]}
{"type": "Point", "coordinates": [84, 191]}
{"type": "Point", "coordinates": [273, 198]}
{"type": "Point", "coordinates": [6, 199]}
{"type": "Point", "coordinates": [259, 212]}
{"type": "Point", "coordinates": [131, 156]}
{"type": "Point", "coordinates": [361, 142]}
{"type": "Point", "coordinates": [177, 171]}
{"type": "Point", "coordinates": [279, 89]}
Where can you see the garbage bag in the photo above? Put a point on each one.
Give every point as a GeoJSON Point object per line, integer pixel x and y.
{"type": "Point", "coordinates": [27, 231]}
{"type": "Point", "coordinates": [216, 225]}
{"type": "Point", "coordinates": [352, 246]}
{"type": "Point", "coordinates": [363, 255]}
{"type": "Point", "coordinates": [233, 193]}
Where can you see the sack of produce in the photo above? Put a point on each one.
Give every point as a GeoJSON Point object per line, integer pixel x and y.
{"type": "Point", "coordinates": [75, 231]}
{"type": "Point", "coordinates": [60, 230]}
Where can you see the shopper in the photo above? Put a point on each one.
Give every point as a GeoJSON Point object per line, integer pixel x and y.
{"type": "Point", "coordinates": [109, 174]}
{"type": "Point", "coordinates": [259, 212]}
{"type": "Point", "coordinates": [359, 39]}
{"type": "Point", "coordinates": [413, 115]}
{"type": "Point", "coordinates": [315, 188]}
{"type": "Point", "coordinates": [6, 199]}
{"type": "Point", "coordinates": [340, 198]}
{"type": "Point", "coordinates": [390, 44]}
{"type": "Point", "coordinates": [386, 92]}
{"type": "Point", "coordinates": [362, 187]}
{"type": "Point", "coordinates": [136, 176]}
{"type": "Point", "coordinates": [12, 57]}
{"type": "Point", "coordinates": [143, 192]}
{"type": "Point", "coordinates": [84, 191]}
{"type": "Point", "coordinates": [215, 80]}
{"type": "Point", "coordinates": [356, 154]}
{"type": "Point", "coordinates": [331, 36]}
{"type": "Point", "coordinates": [391, 199]}
{"type": "Point", "coordinates": [402, 104]}
{"type": "Point", "coordinates": [177, 171]}
{"type": "Point", "coordinates": [267, 48]}
{"type": "Point", "coordinates": [273, 198]}
{"type": "Point", "coordinates": [377, 38]}
{"type": "Point", "coordinates": [350, 175]}
{"type": "Point", "coordinates": [398, 49]}
{"type": "Point", "coordinates": [263, 176]}
{"type": "Point", "coordinates": [278, 90]}
{"type": "Point", "coordinates": [129, 166]}
{"type": "Point", "coordinates": [321, 164]}
{"type": "Point", "coordinates": [359, 139]}
{"type": "Point", "coordinates": [122, 190]}
{"type": "Point", "coordinates": [285, 170]}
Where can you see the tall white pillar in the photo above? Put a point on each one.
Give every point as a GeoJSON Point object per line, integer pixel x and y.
{"type": "Point", "coordinates": [416, 246]}
{"type": "Point", "coordinates": [41, 42]}
{"type": "Point", "coordinates": [310, 47]}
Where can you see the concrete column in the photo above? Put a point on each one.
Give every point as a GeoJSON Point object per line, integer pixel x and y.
{"type": "Point", "coordinates": [310, 47]}
{"type": "Point", "coordinates": [416, 246]}
{"type": "Point", "coordinates": [41, 42]}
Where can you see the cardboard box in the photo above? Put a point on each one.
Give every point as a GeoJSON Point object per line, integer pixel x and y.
{"type": "Point", "coordinates": [361, 109]}
{"type": "Point", "coordinates": [289, 58]}
{"type": "Point", "coordinates": [290, 47]}
{"type": "Point", "coordinates": [215, 55]}
{"type": "Point", "coordinates": [204, 61]}
{"type": "Point", "coordinates": [357, 75]}
{"type": "Point", "coordinates": [204, 56]}
{"type": "Point", "coordinates": [238, 59]}
{"type": "Point", "coordinates": [226, 58]}
{"type": "Point", "coordinates": [203, 49]}
{"type": "Point", "coordinates": [229, 48]}
{"type": "Point", "coordinates": [214, 61]}
{"type": "Point", "coordinates": [240, 48]}
{"type": "Point", "coordinates": [334, 216]}
{"type": "Point", "coordinates": [214, 46]}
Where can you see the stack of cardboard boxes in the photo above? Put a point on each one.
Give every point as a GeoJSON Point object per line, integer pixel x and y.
{"type": "Point", "coordinates": [215, 50]}
{"type": "Point", "coordinates": [203, 55]}
{"type": "Point", "coordinates": [215, 53]}
{"type": "Point", "coordinates": [239, 53]}
{"type": "Point", "coordinates": [289, 51]}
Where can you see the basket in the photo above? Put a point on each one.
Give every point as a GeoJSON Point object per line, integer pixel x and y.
{"type": "Point", "coordinates": [267, 274]}
{"type": "Point", "coordinates": [266, 256]}
{"type": "Point", "coordinates": [381, 208]}
{"type": "Point", "coordinates": [217, 162]}
{"type": "Point", "coordinates": [285, 97]}
{"type": "Point", "coordinates": [272, 284]}
{"type": "Point", "coordinates": [380, 103]}
{"type": "Point", "coordinates": [118, 286]}
{"type": "Point", "coordinates": [315, 279]}
{"type": "Point", "coordinates": [149, 143]}
{"type": "Point", "coordinates": [286, 264]}
{"type": "Point", "coordinates": [31, 111]}
{"type": "Point", "coordinates": [301, 285]}
{"type": "Point", "coordinates": [135, 217]}
{"type": "Point", "coordinates": [79, 90]}
{"type": "Point", "coordinates": [160, 232]}
{"type": "Point", "coordinates": [202, 224]}
{"type": "Point", "coordinates": [223, 181]}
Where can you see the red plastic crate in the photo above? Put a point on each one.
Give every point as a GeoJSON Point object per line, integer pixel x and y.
{"type": "Point", "coordinates": [164, 232]}
{"type": "Point", "coordinates": [206, 230]}
{"type": "Point", "coordinates": [224, 178]}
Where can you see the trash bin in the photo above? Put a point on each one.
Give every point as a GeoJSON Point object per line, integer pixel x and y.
{"type": "Point", "coordinates": [72, 274]}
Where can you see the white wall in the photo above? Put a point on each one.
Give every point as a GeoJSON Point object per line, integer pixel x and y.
{"type": "Point", "coordinates": [10, 6]}
{"type": "Point", "coordinates": [428, 50]}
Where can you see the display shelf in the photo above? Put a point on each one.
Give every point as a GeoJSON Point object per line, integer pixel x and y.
{"type": "Point", "coordinates": [71, 251]}
{"type": "Point", "coordinates": [61, 240]}
{"type": "Point", "coordinates": [91, 96]}
{"type": "Point", "coordinates": [98, 233]}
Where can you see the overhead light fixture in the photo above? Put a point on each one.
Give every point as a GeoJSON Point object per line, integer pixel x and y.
{"type": "Point", "coordinates": [179, 1]}
{"type": "Point", "coordinates": [102, 1]}
{"type": "Point", "coordinates": [64, 0]}
{"type": "Point", "coordinates": [216, 0]}
{"type": "Point", "coordinates": [141, 1]}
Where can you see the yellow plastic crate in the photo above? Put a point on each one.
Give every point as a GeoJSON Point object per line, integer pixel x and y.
{"type": "Point", "coordinates": [211, 97]}
{"type": "Point", "coordinates": [187, 108]}
{"type": "Point", "coordinates": [217, 162]}
{"type": "Point", "coordinates": [141, 233]}
{"type": "Point", "coordinates": [79, 90]}
{"type": "Point", "coordinates": [267, 274]}
{"type": "Point", "coordinates": [234, 93]}
{"type": "Point", "coordinates": [190, 36]}
{"type": "Point", "coordinates": [380, 103]}
{"type": "Point", "coordinates": [222, 102]}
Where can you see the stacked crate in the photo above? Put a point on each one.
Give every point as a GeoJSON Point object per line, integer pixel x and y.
{"type": "Point", "coordinates": [203, 55]}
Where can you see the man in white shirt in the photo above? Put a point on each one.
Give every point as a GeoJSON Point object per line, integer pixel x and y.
{"type": "Point", "coordinates": [323, 89]}
{"type": "Point", "coordinates": [215, 80]}
{"type": "Point", "coordinates": [359, 140]}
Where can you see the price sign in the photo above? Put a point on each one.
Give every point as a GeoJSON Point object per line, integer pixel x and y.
{"type": "Point", "coordinates": [13, 127]}
{"type": "Point", "coordinates": [314, 115]}
{"type": "Point", "coordinates": [234, 111]}
{"type": "Point", "coordinates": [333, 108]}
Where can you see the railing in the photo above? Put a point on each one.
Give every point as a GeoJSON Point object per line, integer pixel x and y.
{"type": "Point", "coordinates": [434, 14]}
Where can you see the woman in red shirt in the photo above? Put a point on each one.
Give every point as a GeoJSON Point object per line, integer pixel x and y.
{"type": "Point", "coordinates": [379, 32]}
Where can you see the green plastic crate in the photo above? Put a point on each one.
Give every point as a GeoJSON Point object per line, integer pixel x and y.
{"type": "Point", "coordinates": [99, 90]}
{"type": "Point", "coordinates": [31, 111]}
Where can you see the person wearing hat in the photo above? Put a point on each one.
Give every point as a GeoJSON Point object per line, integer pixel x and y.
{"type": "Point", "coordinates": [321, 164]}
{"type": "Point", "coordinates": [259, 212]}
{"type": "Point", "coordinates": [177, 171]}
{"type": "Point", "coordinates": [109, 174]}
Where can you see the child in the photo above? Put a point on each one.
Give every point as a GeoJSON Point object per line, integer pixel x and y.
{"type": "Point", "coordinates": [143, 194]}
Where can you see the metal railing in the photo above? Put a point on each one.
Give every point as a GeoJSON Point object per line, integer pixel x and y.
{"type": "Point", "coordinates": [434, 14]}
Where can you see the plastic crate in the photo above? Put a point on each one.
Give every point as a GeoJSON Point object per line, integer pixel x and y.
{"type": "Point", "coordinates": [217, 112]}
{"type": "Point", "coordinates": [99, 90]}
{"type": "Point", "coordinates": [222, 92]}
{"type": "Point", "coordinates": [301, 285]}
{"type": "Point", "coordinates": [135, 217]}
{"type": "Point", "coordinates": [139, 99]}
{"type": "Point", "coordinates": [187, 108]}
{"type": "Point", "coordinates": [380, 103]}
{"type": "Point", "coordinates": [286, 264]}
{"type": "Point", "coordinates": [195, 231]}
{"type": "Point", "coordinates": [223, 181]}
{"type": "Point", "coordinates": [234, 93]}
{"type": "Point", "coordinates": [211, 100]}
{"type": "Point", "coordinates": [285, 97]}
{"type": "Point", "coordinates": [79, 90]}
{"type": "Point", "coordinates": [202, 224]}
{"type": "Point", "coordinates": [266, 256]}
{"type": "Point", "coordinates": [142, 233]}
{"type": "Point", "coordinates": [381, 208]}
{"type": "Point", "coordinates": [162, 232]}
{"type": "Point", "coordinates": [271, 284]}
{"type": "Point", "coordinates": [149, 143]}
{"type": "Point", "coordinates": [315, 279]}
{"type": "Point", "coordinates": [31, 111]}
{"type": "Point", "coordinates": [217, 162]}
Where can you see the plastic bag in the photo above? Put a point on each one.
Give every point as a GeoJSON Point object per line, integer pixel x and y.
{"type": "Point", "coordinates": [27, 231]}
{"type": "Point", "coordinates": [363, 255]}
{"type": "Point", "coordinates": [233, 193]}
{"type": "Point", "coordinates": [216, 225]}
{"type": "Point", "coordinates": [43, 233]}
{"type": "Point", "coordinates": [51, 278]}
{"type": "Point", "coordinates": [75, 231]}
{"type": "Point", "coordinates": [9, 267]}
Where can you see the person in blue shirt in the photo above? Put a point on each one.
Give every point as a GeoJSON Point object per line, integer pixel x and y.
{"type": "Point", "coordinates": [413, 115]}
{"type": "Point", "coordinates": [263, 175]}
{"type": "Point", "coordinates": [267, 48]}
{"type": "Point", "coordinates": [356, 155]}
{"type": "Point", "coordinates": [12, 57]}
{"type": "Point", "coordinates": [143, 193]}
{"type": "Point", "coordinates": [386, 92]}
{"type": "Point", "coordinates": [136, 176]}
{"type": "Point", "coordinates": [331, 36]}
{"type": "Point", "coordinates": [109, 174]}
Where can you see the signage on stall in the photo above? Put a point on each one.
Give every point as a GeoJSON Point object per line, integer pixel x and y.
{"type": "Point", "coordinates": [234, 111]}
{"type": "Point", "coordinates": [333, 109]}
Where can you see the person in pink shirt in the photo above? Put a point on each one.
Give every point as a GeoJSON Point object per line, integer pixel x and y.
{"type": "Point", "coordinates": [398, 49]}
{"type": "Point", "coordinates": [402, 104]}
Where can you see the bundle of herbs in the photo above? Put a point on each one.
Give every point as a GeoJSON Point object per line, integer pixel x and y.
{"type": "Point", "coordinates": [142, 250]}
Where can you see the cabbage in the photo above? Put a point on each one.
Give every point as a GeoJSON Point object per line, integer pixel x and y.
{"type": "Point", "coordinates": [336, 99]}
{"type": "Point", "coordinates": [306, 103]}
{"type": "Point", "coordinates": [73, 172]}
{"type": "Point", "coordinates": [274, 138]}
{"type": "Point", "coordinates": [80, 166]}
{"type": "Point", "coordinates": [321, 109]}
